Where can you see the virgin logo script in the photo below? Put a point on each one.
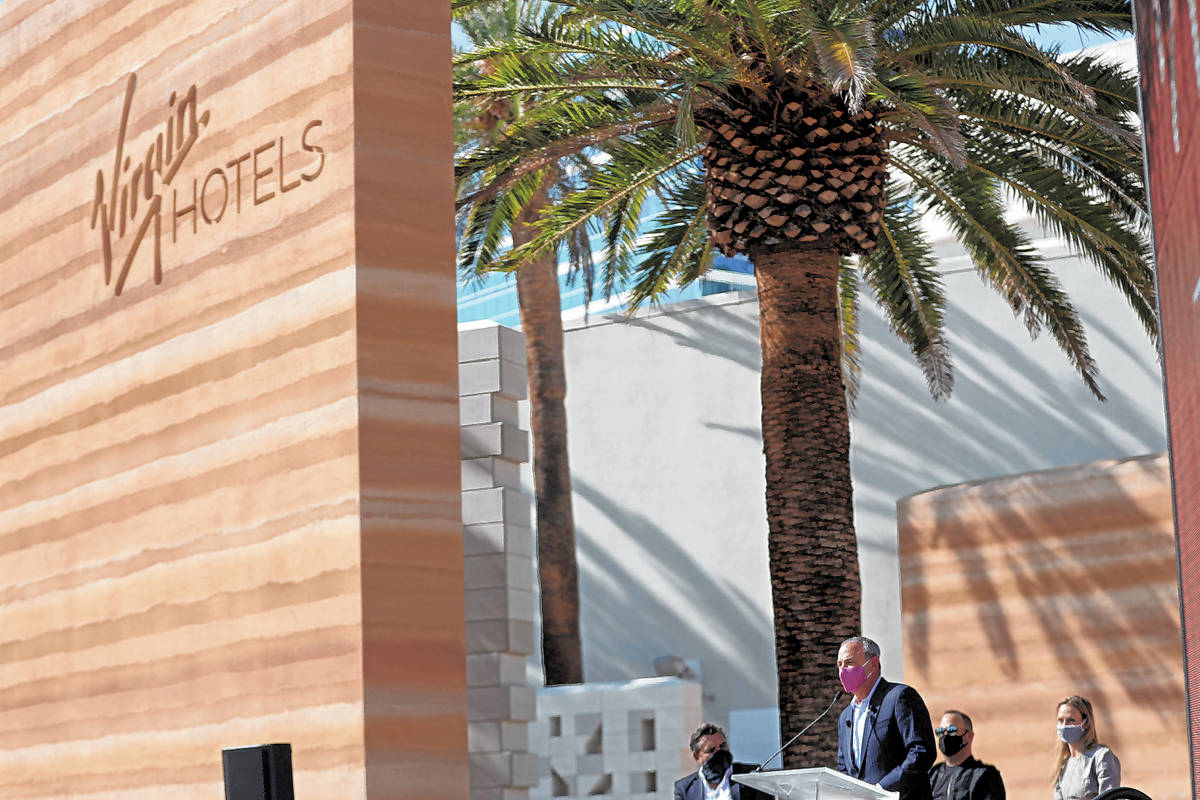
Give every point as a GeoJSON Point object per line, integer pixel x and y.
{"type": "Point", "coordinates": [132, 198]}
{"type": "Point", "coordinates": [117, 200]}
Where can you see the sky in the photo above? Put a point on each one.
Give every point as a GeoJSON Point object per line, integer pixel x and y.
{"type": "Point", "coordinates": [1070, 37]}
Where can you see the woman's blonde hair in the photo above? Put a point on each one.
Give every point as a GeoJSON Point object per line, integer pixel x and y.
{"type": "Point", "coordinates": [1090, 740]}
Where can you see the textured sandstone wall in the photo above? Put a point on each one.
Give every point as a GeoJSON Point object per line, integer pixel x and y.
{"type": "Point", "coordinates": [1021, 590]}
{"type": "Point", "coordinates": [229, 467]}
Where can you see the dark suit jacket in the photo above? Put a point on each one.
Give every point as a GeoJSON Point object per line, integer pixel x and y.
{"type": "Point", "coordinates": [898, 747]}
{"type": "Point", "coordinates": [689, 787]}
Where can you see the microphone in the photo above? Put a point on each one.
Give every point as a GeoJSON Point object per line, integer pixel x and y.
{"type": "Point", "coordinates": [829, 708]}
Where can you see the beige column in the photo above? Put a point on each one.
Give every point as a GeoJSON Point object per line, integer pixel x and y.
{"type": "Point", "coordinates": [229, 449]}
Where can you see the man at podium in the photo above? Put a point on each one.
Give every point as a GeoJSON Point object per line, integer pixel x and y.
{"type": "Point", "coordinates": [710, 749]}
{"type": "Point", "coordinates": [884, 735]}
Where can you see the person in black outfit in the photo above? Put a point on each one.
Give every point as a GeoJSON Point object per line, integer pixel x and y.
{"type": "Point", "coordinates": [962, 776]}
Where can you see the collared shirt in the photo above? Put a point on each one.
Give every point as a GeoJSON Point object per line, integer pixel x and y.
{"type": "Point", "coordinates": [722, 791]}
{"type": "Point", "coordinates": [860, 723]}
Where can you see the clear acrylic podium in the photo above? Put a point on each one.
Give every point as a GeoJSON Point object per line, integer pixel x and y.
{"type": "Point", "coordinates": [816, 783]}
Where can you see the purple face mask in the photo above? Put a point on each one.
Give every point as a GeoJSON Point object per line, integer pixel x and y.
{"type": "Point", "coordinates": [853, 677]}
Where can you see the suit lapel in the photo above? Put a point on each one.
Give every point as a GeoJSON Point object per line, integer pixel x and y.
{"type": "Point", "coordinates": [854, 767]}
{"type": "Point", "coordinates": [873, 715]}
{"type": "Point", "coordinates": [846, 743]}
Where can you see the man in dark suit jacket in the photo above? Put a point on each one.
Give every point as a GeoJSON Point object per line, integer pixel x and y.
{"type": "Point", "coordinates": [710, 749]}
{"type": "Point", "coordinates": [884, 735]}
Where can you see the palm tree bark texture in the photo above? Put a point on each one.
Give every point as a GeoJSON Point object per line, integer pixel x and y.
{"type": "Point", "coordinates": [797, 167]}
{"type": "Point", "coordinates": [806, 439]}
{"type": "Point", "coordinates": [795, 182]}
{"type": "Point", "coordinates": [558, 574]}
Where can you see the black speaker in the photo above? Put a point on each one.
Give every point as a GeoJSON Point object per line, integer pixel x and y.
{"type": "Point", "coordinates": [259, 772]}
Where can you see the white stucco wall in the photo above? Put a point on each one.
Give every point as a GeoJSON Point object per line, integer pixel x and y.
{"type": "Point", "coordinates": [670, 513]}
{"type": "Point", "coordinates": [666, 458]}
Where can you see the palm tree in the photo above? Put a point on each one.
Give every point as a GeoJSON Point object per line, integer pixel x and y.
{"type": "Point", "coordinates": [479, 123]}
{"type": "Point", "coordinates": [811, 136]}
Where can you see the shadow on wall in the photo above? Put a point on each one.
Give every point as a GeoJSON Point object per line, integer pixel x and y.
{"type": "Point", "coordinates": [1018, 591]}
{"type": "Point", "coordinates": [687, 607]}
{"type": "Point", "coordinates": [1008, 413]}
{"type": "Point", "coordinates": [709, 329]}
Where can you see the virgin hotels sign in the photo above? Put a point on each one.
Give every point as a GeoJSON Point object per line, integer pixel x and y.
{"type": "Point", "coordinates": [154, 178]}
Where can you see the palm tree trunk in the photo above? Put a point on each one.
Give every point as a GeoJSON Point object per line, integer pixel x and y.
{"type": "Point", "coordinates": [806, 437]}
{"type": "Point", "coordinates": [558, 575]}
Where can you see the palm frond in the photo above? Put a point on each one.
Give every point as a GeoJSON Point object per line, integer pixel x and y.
{"type": "Point", "coordinates": [916, 106]}
{"type": "Point", "coordinates": [559, 131]}
{"type": "Point", "coordinates": [679, 250]}
{"type": "Point", "coordinates": [1100, 16]}
{"type": "Point", "coordinates": [902, 273]}
{"type": "Point", "coordinates": [970, 200]}
{"type": "Point", "coordinates": [1090, 227]}
{"type": "Point", "coordinates": [848, 317]}
{"type": "Point", "coordinates": [846, 52]}
{"type": "Point", "coordinates": [637, 170]}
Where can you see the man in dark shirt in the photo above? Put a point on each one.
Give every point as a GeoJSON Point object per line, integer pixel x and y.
{"type": "Point", "coordinates": [962, 776]}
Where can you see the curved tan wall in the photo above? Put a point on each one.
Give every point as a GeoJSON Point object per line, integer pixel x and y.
{"type": "Point", "coordinates": [229, 462]}
{"type": "Point", "coordinates": [1018, 591]}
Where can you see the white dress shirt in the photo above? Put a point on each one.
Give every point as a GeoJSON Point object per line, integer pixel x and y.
{"type": "Point", "coordinates": [722, 790]}
{"type": "Point", "coordinates": [860, 723]}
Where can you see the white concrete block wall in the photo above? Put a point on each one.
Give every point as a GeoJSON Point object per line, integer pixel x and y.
{"type": "Point", "coordinates": [498, 563]}
{"type": "Point", "coordinates": [626, 739]}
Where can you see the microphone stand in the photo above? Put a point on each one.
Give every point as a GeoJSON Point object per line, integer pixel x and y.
{"type": "Point", "coordinates": [767, 760]}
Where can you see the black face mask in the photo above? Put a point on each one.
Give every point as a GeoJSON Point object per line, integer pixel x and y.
{"type": "Point", "coordinates": [950, 745]}
{"type": "Point", "coordinates": [718, 762]}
